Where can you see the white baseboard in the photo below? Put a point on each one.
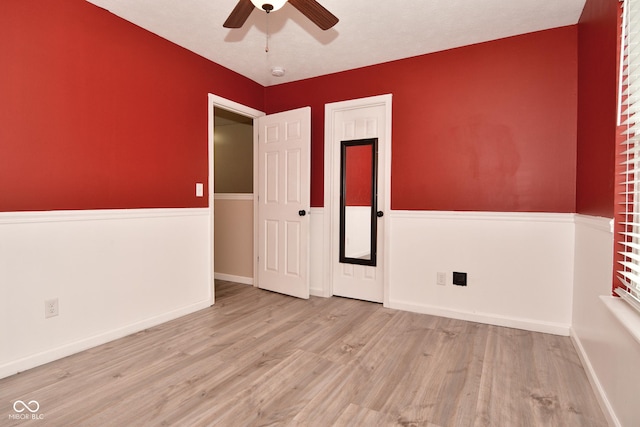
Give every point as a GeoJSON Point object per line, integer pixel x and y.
{"type": "Point", "coordinates": [47, 356]}
{"type": "Point", "coordinates": [598, 390]}
{"type": "Point", "coordinates": [490, 319]}
{"type": "Point", "coordinates": [231, 278]}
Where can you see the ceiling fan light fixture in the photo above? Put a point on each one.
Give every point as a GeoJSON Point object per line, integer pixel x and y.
{"type": "Point", "coordinates": [269, 5]}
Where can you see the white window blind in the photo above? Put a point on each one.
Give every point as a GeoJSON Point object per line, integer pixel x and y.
{"type": "Point", "coordinates": [629, 123]}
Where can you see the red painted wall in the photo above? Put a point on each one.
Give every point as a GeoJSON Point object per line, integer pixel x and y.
{"type": "Point", "coordinates": [98, 113]}
{"type": "Point", "coordinates": [597, 86]}
{"type": "Point", "coordinates": [488, 127]}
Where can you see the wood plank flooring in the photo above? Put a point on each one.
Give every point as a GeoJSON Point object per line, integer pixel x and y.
{"type": "Point", "coordinates": [258, 358]}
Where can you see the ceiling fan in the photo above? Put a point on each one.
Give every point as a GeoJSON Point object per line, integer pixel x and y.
{"type": "Point", "coordinates": [309, 8]}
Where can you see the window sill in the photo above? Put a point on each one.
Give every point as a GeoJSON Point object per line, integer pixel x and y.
{"type": "Point", "coordinates": [622, 311]}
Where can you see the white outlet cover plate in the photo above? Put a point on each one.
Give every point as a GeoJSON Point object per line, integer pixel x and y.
{"type": "Point", "coordinates": [51, 308]}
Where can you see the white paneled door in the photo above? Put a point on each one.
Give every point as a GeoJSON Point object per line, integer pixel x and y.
{"type": "Point", "coordinates": [348, 121]}
{"type": "Point", "coordinates": [284, 141]}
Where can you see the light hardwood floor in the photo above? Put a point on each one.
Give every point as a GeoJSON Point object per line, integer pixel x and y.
{"type": "Point", "coordinates": [260, 358]}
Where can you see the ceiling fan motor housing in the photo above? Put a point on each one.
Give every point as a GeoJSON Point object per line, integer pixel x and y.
{"type": "Point", "coordinates": [268, 6]}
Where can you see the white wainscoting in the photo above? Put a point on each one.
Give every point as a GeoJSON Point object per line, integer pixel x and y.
{"type": "Point", "coordinates": [609, 352]}
{"type": "Point", "coordinates": [317, 284]}
{"type": "Point", "coordinates": [114, 272]}
{"type": "Point", "coordinates": [519, 267]}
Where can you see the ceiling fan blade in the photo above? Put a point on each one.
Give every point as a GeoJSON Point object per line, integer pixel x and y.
{"type": "Point", "coordinates": [315, 12]}
{"type": "Point", "coordinates": [239, 14]}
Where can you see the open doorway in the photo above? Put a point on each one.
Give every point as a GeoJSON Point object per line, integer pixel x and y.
{"type": "Point", "coordinates": [246, 114]}
{"type": "Point", "coordinates": [233, 196]}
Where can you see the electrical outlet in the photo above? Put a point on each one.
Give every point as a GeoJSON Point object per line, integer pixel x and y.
{"type": "Point", "coordinates": [441, 279]}
{"type": "Point", "coordinates": [51, 308]}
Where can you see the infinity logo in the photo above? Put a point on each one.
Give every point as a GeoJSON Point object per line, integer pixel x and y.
{"type": "Point", "coordinates": [20, 404]}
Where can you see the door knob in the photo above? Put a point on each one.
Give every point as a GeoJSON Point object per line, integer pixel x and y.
{"type": "Point", "coordinates": [379, 214]}
{"type": "Point", "coordinates": [302, 212]}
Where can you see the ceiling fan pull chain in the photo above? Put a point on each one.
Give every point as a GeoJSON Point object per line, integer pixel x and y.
{"type": "Point", "coordinates": [266, 48]}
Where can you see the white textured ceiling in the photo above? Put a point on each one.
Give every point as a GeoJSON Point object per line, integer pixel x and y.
{"type": "Point", "coordinates": [369, 31]}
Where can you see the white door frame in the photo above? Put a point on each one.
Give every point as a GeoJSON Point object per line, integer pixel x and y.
{"type": "Point", "coordinates": [217, 101]}
{"type": "Point", "coordinates": [330, 163]}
